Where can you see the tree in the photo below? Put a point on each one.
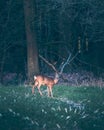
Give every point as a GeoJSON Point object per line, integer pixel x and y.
{"type": "Point", "coordinates": [32, 50]}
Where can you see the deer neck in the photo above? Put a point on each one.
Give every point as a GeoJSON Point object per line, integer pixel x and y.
{"type": "Point", "coordinates": [56, 80]}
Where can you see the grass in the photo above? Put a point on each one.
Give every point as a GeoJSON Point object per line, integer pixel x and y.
{"type": "Point", "coordinates": [72, 108]}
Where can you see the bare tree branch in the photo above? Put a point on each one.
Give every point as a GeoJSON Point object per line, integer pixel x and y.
{"type": "Point", "coordinates": [62, 66]}
{"type": "Point", "coordinates": [69, 59]}
{"type": "Point", "coordinates": [47, 62]}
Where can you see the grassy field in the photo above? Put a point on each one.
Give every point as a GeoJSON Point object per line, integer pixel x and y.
{"type": "Point", "coordinates": [72, 108]}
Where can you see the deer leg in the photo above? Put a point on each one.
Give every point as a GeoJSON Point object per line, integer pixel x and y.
{"type": "Point", "coordinates": [39, 90]}
{"type": "Point", "coordinates": [34, 86]}
{"type": "Point", "coordinates": [50, 94]}
{"type": "Point", "coordinates": [33, 89]}
{"type": "Point", "coordinates": [48, 91]}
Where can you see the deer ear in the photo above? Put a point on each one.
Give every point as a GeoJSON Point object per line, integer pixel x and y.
{"type": "Point", "coordinates": [56, 75]}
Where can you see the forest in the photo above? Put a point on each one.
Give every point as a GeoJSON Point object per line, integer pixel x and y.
{"type": "Point", "coordinates": [53, 30]}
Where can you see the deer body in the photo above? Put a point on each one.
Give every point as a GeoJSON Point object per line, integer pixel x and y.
{"type": "Point", "coordinates": [41, 80]}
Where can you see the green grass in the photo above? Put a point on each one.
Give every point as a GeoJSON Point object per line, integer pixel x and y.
{"type": "Point", "coordinates": [72, 108]}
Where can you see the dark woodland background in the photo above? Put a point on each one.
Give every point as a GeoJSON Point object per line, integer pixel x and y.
{"type": "Point", "coordinates": [53, 29]}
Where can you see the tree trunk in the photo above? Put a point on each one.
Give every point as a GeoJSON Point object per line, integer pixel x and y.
{"type": "Point", "coordinates": [32, 50]}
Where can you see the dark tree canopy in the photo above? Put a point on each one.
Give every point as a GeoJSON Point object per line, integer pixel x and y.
{"type": "Point", "coordinates": [55, 27]}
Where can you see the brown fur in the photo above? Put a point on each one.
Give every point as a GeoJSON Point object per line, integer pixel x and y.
{"type": "Point", "coordinates": [44, 80]}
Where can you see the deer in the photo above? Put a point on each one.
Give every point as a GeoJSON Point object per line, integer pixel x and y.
{"type": "Point", "coordinates": [49, 82]}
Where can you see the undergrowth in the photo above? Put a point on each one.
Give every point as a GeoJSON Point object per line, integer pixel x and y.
{"type": "Point", "coordinates": [72, 108]}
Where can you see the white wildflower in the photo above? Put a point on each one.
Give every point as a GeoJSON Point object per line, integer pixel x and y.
{"type": "Point", "coordinates": [83, 113]}
{"type": "Point", "coordinates": [10, 110]}
{"type": "Point", "coordinates": [59, 108]}
{"type": "Point", "coordinates": [53, 109]}
{"type": "Point", "coordinates": [1, 115]}
{"type": "Point", "coordinates": [4, 98]}
{"type": "Point", "coordinates": [32, 122]}
{"type": "Point", "coordinates": [89, 101]}
{"type": "Point", "coordinates": [66, 110]}
{"type": "Point", "coordinates": [45, 112]}
{"type": "Point", "coordinates": [26, 95]}
{"type": "Point", "coordinates": [14, 100]}
{"type": "Point", "coordinates": [102, 112]}
{"type": "Point", "coordinates": [84, 116]}
{"type": "Point", "coordinates": [14, 113]}
{"type": "Point", "coordinates": [96, 111]}
{"type": "Point", "coordinates": [18, 114]}
{"type": "Point", "coordinates": [70, 108]}
{"type": "Point", "coordinates": [75, 110]}
{"type": "Point", "coordinates": [75, 123]}
{"type": "Point", "coordinates": [36, 123]}
{"type": "Point", "coordinates": [26, 118]}
{"type": "Point", "coordinates": [62, 116]}
{"type": "Point", "coordinates": [13, 91]}
{"type": "Point", "coordinates": [58, 126]}
{"type": "Point", "coordinates": [67, 117]}
{"type": "Point", "coordinates": [44, 125]}
{"type": "Point", "coordinates": [42, 110]}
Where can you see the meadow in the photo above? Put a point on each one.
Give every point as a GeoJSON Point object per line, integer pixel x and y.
{"type": "Point", "coordinates": [71, 108]}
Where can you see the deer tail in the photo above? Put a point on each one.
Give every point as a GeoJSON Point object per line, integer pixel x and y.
{"type": "Point", "coordinates": [35, 77]}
